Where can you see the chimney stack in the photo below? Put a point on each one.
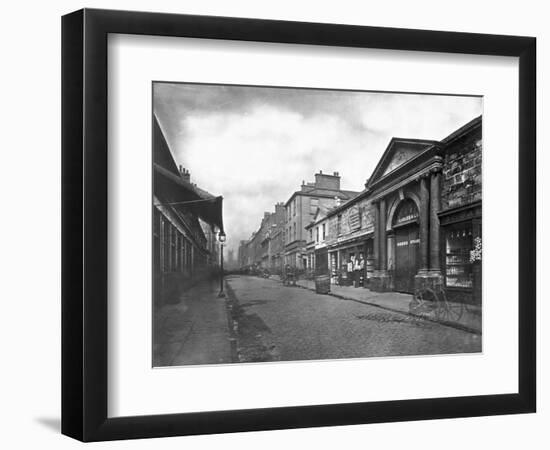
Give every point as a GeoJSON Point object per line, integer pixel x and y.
{"type": "Point", "coordinates": [185, 174]}
{"type": "Point", "coordinates": [327, 181]}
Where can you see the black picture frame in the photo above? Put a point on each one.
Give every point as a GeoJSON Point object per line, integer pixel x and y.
{"type": "Point", "coordinates": [84, 224]}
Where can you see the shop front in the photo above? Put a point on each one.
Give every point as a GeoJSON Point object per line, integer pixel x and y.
{"type": "Point", "coordinates": [424, 198]}
{"type": "Point", "coordinates": [343, 257]}
{"type": "Point", "coordinates": [462, 253]}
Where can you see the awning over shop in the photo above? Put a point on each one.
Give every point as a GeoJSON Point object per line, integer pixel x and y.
{"type": "Point", "coordinates": [172, 190]}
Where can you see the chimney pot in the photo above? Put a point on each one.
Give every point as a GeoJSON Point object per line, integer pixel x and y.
{"type": "Point", "coordinates": [186, 175]}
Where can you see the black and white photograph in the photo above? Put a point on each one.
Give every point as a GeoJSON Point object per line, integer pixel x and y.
{"type": "Point", "coordinates": [275, 225]}
{"type": "Point", "coordinates": [294, 224]}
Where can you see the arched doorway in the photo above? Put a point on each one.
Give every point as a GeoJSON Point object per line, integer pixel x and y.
{"type": "Point", "coordinates": [407, 244]}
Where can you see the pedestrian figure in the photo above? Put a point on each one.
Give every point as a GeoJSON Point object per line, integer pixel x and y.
{"type": "Point", "coordinates": [356, 272]}
{"type": "Point", "coordinates": [350, 271]}
{"type": "Point", "coordinates": [361, 270]}
{"type": "Point", "coordinates": [290, 275]}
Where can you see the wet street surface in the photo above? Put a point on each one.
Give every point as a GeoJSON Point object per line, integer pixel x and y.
{"type": "Point", "coordinates": [272, 322]}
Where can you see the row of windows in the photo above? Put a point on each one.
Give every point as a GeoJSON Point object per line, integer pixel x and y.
{"type": "Point", "coordinates": [291, 233]}
{"type": "Point", "coordinates": [291, 210]}
{"type": "Point", "coordinates": [320, 233]}
{"type": "Point", "coordinates": [172, 251]}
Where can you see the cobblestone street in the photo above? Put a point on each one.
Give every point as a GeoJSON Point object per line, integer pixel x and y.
{"type": "Point", "coordinates": [273, 322]}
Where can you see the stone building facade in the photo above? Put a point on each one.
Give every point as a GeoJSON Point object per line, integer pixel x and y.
{"type": "Point", "coordinates": [186, 222]}
{"type": "Point", "coordinates": [265, 248]}
{"type": "Point", "coordinates": [418, 219]}
{"type": "Point", "coordinates": [300, 209]}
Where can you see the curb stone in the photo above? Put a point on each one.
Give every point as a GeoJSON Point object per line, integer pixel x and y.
{"type": "Point", "coordinates": [407, 313]}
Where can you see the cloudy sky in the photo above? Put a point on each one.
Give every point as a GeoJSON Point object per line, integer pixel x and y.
{"type": "Point", "coordinates": [255, 145]}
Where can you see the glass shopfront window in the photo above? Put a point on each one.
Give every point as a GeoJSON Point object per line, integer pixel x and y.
{"type": "Point", "coordinates": [458, 244]}
{"type": "Point", "coordinates": [334, 267]}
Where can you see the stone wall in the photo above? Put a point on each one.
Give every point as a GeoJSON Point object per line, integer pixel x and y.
{"type": "Point", "coordinates": [357, 217]}
{"type": "Point", "coordinates": [462, 172]}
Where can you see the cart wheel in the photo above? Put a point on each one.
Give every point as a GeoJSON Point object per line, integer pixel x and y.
{"type": "Point", "coordinates": [454, 310]}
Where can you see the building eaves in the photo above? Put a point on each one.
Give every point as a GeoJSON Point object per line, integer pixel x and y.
{"type": "Point", "coordinates": [462, 130]}
{"type": "Point", "coordinates": [347, 204]}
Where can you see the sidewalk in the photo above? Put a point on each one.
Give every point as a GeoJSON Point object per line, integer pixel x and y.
{"type": "Point", "coordinates": [192, 331]}
{"type": "Point", "coordinates": [398, 302]}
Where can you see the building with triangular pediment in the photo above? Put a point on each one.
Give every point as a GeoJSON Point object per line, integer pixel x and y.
{"type": "Point", "coordinates": [417, 223]}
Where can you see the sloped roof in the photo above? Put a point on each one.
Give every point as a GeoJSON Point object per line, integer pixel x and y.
{"type": "Point", "coordinates": [397, 153]}
{"type": "Point", "coordinates": [162, 155]}
{"type": "Point", "coordinates": [346, 204]}
{"type": "Point", "coordinates": [462, 130]}
{"type": "Point", "coordinates": [173, 190]}
{"type": "Point", "coordinates": [324, 192]}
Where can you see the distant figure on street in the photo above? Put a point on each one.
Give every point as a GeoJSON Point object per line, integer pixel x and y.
{"type": "Point", "coordinates": [290, 276]}
{"type": "Point", "coordinates": [356, 272]}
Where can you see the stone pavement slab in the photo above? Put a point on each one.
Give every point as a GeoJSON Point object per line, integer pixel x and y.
{"type": "Point", "coordinates": [193, 331]}
{"type": "Point", "coordinates": [396, 301]}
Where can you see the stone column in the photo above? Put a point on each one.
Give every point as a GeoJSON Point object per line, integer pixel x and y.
{"type": "Point", "coordinates": [435, 205]}
{"type": "Point", "coordinates": [424, 224]}
{"type": "Point", "coordinates": [390, 263]}
{"type": "Point", "coordinates": [382, 235]}
{"type": "Point", "coordinates": [376, 244]}
{"type": "Point", "coordinates": [380, 281]}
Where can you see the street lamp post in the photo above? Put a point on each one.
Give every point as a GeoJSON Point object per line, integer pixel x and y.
{"type": "Point", "coordinates": [221, 238]}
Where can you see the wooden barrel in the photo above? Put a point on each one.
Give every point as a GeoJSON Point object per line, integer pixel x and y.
{"type": "Point", "coordinates": [322, 284]}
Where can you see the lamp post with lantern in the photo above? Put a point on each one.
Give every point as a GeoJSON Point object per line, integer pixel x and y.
{"type": "Point", "coordinates": [221, 238]}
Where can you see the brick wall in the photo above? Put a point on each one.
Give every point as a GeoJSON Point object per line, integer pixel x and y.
{"type": "Point", "coordinates": [462, 172]}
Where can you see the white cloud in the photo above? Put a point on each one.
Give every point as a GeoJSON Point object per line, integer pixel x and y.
{"type": "Point", "coordinates": [255, 147]}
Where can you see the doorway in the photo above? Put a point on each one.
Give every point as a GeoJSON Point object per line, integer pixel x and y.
{"type": "Point", "coordinates": [406, 257]}
{"type": "Point", "coordinates": [407, 245]}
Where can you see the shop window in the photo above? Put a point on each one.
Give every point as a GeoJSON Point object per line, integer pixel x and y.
{"type": "Point", "coordinates": [333, 267]}
{"type": "Point", "coordinates": [458, 244]}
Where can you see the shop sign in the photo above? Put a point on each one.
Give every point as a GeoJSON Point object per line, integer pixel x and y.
{"type": "Point", "coordinates": [407, 212]}
{"type": "Point", "coordinates": [354, 218]}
